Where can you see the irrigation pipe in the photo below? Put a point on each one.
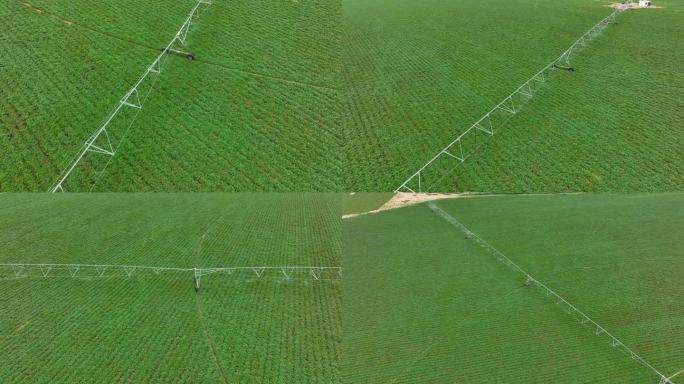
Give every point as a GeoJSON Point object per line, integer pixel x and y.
{"type": "Point", "coordinates": [570, 308]}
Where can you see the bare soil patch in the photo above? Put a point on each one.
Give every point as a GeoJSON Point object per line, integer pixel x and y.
{"type": "Point", "coordinates": [630, 6]}
{"type": "Point", "coordinates": [404, 199]}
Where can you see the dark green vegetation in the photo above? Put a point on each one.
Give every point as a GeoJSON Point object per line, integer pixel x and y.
{"type": "Point", "coordinates": [417, 76]}
{"type": "Point", "coordinates": [423, 303]}
{"type": "Point", "coordinates": [256, 110]}
{"type": "Point", "coordinates": [154, 328]}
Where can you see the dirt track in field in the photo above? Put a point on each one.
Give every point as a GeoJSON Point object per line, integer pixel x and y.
{"type": "Point", "coordinates": [629, 6]}
{"type": "Point", "coordinates": [404, 199]}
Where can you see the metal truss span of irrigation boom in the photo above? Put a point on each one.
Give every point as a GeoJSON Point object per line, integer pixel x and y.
{"type": "Point", "coordinates": [465, 144]}
{"type": "Point", "coordinates": [101, 141]}
{"type": "Point", "coordinates": [559, 300]}
{"type": "Point", "coordinates": [102, 270]}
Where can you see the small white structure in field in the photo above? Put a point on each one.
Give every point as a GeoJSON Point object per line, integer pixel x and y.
{"type": "Point", "coordinates": [644, 3]}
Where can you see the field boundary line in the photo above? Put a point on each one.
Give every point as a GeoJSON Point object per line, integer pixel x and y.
{"type": "Point", "coordinates": [530, 280]}
{"type": "Point", "coordinates": [467, 143]}
{"type": "Point", "coordinates": [131, 100]}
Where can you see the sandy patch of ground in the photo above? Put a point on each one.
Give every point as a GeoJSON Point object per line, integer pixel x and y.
{"type": "Point", "coordinates": [404, 199]}
{"type": "Point", "coordinates": [629, 6]}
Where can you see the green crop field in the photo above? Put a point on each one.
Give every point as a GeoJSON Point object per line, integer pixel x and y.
{"type": "Point", "coordinates": [423, 302]}
{"type": "Point", "coordinates": [60, 81]}
{"type": "Point", "coordinates": [257, 109]}
{"type": "Point", "coordinates": [613, 125]}
{"type": "Point", "coordinates": [328, 95]}
{"type": "Point", "coordinates": [542, 248]}
{"type": "Point", "coordinates": [420, 74]}
{"type": "Point", "coordinates": [153, 327]}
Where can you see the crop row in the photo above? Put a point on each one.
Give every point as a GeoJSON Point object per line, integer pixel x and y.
{"type": "Point", "coordinates": [104, 331]}
{"type": "Point", "coordinates": [414, 83]}
{"type": "Point", "coordinates": [288, 97]}
{"type": "Point", "coordinates": [595, 129]}
{"type": "Point", "coordinates": [173, 231]}
{"type": "Point", "coordinates": [457, 314]}
{"type": "Point", "coordinates": [614, 258]}
{"type": "Point", "coordinates": [152, 23]}
{"type": "Point", "coordinates": [209, 129]}
{"type": "Point", "coordinates": [293, 40]}
{"type": "Point", "coordinates": [81, 60]}
{"type": "Point", "coordinates": [61, 80]}
{"type": "Point", "coordinates": [155, 330]}
{"type": "Point", "coordinates": [153, 327]}
{"type": "Point", "coordinates": [288, 333]}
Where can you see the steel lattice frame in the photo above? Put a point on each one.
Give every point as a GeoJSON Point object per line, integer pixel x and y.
{"type": "Point", "coordinates": [467, 143]}
{"type": "Point", "coordinates": [99, 270]}
{"type": "Point", "coordinates": [559, 300]}
{"type": "Point", "coordinates": [100, 142]}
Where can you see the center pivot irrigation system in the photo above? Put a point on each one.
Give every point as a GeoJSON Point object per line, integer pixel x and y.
{"type": "Point", "coordinates": [101, 270]}
{"type": "Point", "coordinates": [107, 139]}
{"type": "Point", "coordinates": [468, 142]}
{"type": "Point", "coordinates": [559, 300]}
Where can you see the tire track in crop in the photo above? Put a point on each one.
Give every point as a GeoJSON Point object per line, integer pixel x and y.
{"type": "Point", "coordinates": [198, 127]}
{"type": "Point", "coordinates": [200, 308]}
{"type": "Point", "coordinates": [430, 347]}
{"type": "Point", "coordinates": [594, 138]}
{"type": "Point", "coordinates": [297, 40]}
{"type": "Point", "coordinates": [203, 322]}
{"type": "Point", "coordinates": [132, 42]}
{"type": "Point", "coordinates": [271, 77]}
{"type": "Point", "coordinates": [75, 74]}
{"type": "Point", "coordinates": [81, 25]}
